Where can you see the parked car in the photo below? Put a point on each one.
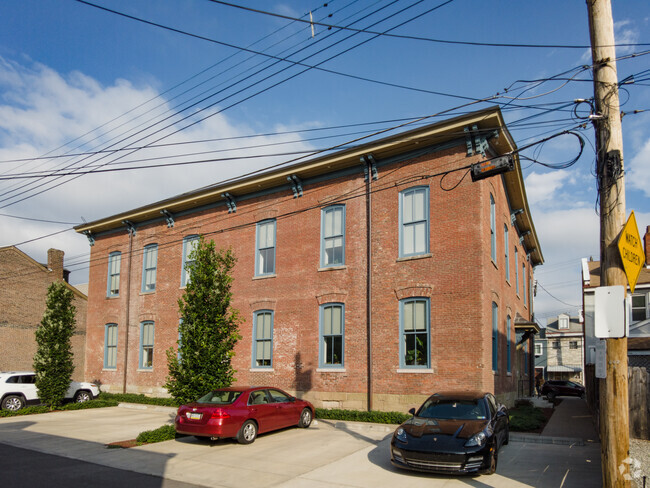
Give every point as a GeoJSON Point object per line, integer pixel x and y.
{"type": "Point", "coordinates": [452, 432]}
{"type": "Point", "coordinates": [242, 413]}
{"type": "Point", "coordinates": [18, 389]}
{"type": "Point", "coordinates": [554, 388]}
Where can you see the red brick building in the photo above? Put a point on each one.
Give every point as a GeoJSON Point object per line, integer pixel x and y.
{"type": "Point", "coordinates": [367, 278]}
{"type": "Point", "coordinates": [23, 296]}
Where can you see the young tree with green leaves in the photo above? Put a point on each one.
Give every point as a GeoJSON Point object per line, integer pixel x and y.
{"type": "Point", "coordinates": [209, 326]}
{"type": "Point", "coordinates": [53, 363]}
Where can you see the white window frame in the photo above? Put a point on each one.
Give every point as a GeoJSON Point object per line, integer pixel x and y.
{"type": "Point", "coordinates": [539, 349]}
{"type": "Point", "coordinates": [417, 226]}
{"type": "Point", "coordinates": [404, 334]}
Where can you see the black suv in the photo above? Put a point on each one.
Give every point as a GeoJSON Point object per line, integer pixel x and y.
{"type": "Point", "coordinates": [553, 388]}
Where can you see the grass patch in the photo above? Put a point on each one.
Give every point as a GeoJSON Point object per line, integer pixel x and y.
{"type": "Point", "coordinates": [526, 418]}
{"type": "Point", "coordinates": [164, 433]}
{"type": "Point", "coordinates": [101, 403]}
{"type": "Point", "coordinates": [135, 398]}
{"type": "Point", "coordinates": [362, 416]}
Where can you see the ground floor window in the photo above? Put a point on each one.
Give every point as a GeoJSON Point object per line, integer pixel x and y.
{"type": "Point", "coordinates": [332, 330]}
{"type": "Point", "coordinates": [414, 329]}
{"type": "Point", "coordinates": [146, 345]}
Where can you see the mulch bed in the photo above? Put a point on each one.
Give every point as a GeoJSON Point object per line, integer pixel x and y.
{"type": "Point", "coordinates": [122, 444]}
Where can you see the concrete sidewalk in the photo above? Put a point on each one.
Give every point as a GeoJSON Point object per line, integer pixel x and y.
{"type": "Point", "coordinates": [571, 418]}
{"type": "Point", "coordinates": [328, 454]}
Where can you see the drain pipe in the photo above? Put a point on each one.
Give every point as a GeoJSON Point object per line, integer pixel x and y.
{"type": "Point", "coordinates": [369, 170]}
{"type": "Point", "coordinates": [131, 230]}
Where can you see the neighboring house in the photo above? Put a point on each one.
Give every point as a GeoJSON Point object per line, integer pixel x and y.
{"type": "Point", "coordinates": [22, 303]}
{"type": "Point", "coordinates": [366, 278]}
{"type": "Point", "coordinates": [541, 354]}
{"type": "Point", "coordinates": [637, 310]}
{"type": "Point", "coordinates": [564, 349]}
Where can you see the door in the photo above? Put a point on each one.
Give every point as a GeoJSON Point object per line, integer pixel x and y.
{"type": "Point", "coordinates": [286, 411]}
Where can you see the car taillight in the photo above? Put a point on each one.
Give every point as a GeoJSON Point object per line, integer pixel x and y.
{"type": "Point", "coordinates": [219, 414]}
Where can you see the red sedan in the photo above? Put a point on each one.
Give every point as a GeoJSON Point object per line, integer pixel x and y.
{"type": "Point", "coordinates": [242, 413]}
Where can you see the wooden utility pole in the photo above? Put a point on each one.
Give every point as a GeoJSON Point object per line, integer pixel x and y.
{"type": "Point", "coordinates": [614, 409]}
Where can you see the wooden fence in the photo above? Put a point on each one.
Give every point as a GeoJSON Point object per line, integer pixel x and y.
{"type": "Point", "coordinates": [639, 399]}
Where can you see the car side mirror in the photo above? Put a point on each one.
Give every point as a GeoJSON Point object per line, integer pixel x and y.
{"type": "Point", "coordinates": [412, 411]}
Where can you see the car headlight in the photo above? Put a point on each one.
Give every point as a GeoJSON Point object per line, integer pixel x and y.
{"type": "Point", "coordinates": [400, 435]}
{"type": "Point", "coordinates": [476, 440]}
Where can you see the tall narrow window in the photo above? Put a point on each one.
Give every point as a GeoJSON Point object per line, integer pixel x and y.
{"type": "Point", "coordinates": [146, 345]}
{"type": "Point", "coordinates": [414, 221]}
{"type": "Point", "coordinates": [333, 236]}
{"type": "Point", "coordinates": [332, 330]}
{"type": "Point", "coordinates": [495, 337]}
{"type": "Point", "coordinates": [493, 229]}
{"type": "Point", "coordinates": [508, 344]}
{"type": "Point", "coordinates": [415, 326]}
{"type": "Point", "coordinates": [265, 248]}
{"type": "Point", "coordinates": [523, 281]}
{"type": "Point", "coordinates": [263, 343]}
{"type": "Point", "coordinates": [149, 264]}
{"type": "Point", "coordinates": [506, 248]}
{"type": "Point", "coordinates": [113, 282]}
{"type": "Point", "coordinates": [110, 346]}
{"type": "Point", "coordinates": [189, 245]}
{"type": "Point", "coordinates": [516, 271]}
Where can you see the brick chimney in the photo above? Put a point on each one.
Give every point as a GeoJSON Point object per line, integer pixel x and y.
{"type": "Point", "coordinates": [646, 245]}
{"type": "Point", "coordinates": [55, 263]}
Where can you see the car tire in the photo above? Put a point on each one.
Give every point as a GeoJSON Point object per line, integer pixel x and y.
{"type": "Point", "coordinates": [305, 418]}
{"type": "Point", "coordinates": [13, 403]}
{"type": "Point", "coordinates": [550, 395]}
{"type": "Point", "coordinates": [247, 433]}
{"type": "Point", "coordinates": [582, 396]}
{"type": "Point", "coordinates": [82, 396]}
{"type": "Point", "coordinates": [492, 468]}
{"type": "Point", "coordinates": [506, 439]}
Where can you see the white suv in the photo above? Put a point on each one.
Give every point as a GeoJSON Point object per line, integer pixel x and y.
{"type": "Point", "coordinates": [17, 389]}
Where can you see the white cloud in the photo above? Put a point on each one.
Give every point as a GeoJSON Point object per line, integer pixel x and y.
{"type": "Point", "coordinates": [638, 170]}
{"type": "Point", "coordinates": [542, 187]}
{"type": "Point", "coordinates": [41, 110]}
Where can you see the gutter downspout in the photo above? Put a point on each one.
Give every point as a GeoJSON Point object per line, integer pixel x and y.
{"type": "Point", "coordinates": [368, 160]}
{"type": "Point", "coordinates": [131, 231]}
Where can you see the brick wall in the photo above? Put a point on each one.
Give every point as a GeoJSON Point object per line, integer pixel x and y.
{"type": "Point", "coordinates": [458, 277]}
{"type": "Point", "coordinates": [22, 304]}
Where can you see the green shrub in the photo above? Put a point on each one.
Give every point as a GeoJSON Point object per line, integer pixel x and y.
{"type": "Point", "coordinates": [362, 416]}
{"type": "Point", "coordinates": [164, 433]}
{"type": "Point", "coordinates": [134, 398]}
{"type": "Point", "coordinates": [526, 418]}
{"type": "Point", "coordinates": [66, 406]}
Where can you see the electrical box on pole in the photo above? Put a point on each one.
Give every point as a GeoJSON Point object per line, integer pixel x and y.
{"type": "Point", "coordinates": [492, 167]}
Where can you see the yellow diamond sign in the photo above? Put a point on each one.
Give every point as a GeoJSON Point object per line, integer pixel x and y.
{"type": "Point", "coordinates": [631, 250]}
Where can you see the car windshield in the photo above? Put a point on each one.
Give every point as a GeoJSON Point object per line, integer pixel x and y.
{"type": "Point", "coordinates": [449, 408]}
{"type": "Point", "coordinates": [220, 397]}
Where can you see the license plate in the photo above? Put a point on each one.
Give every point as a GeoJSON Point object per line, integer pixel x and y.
{"type": "Point", "coordinates": [193, 416]}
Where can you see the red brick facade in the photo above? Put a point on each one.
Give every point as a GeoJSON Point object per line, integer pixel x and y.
{"type": "Point", "coordinates": [456, 277]}
{"type": "Point", "coordinates": [22, 303]}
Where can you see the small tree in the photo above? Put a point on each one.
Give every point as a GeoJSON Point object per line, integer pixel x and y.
{"type": "Point", "coordinates": [53, 359]}
{"type": "Point", "coordinates": [209, 327]}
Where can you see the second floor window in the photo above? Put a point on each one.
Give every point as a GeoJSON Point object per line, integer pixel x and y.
{"type": "Point", "coordinates": [113, 285]}
{"type": "Point", "coordinates": [189, 245]}
{"type": "Point", "coordinates": [333, 236]}
{"type": "Point", "coordinates": [149, 265]}
{"type": "Point", "coordinates": [493, 229]}
{"type": "Point", "coordinates": [265, 248]}
{"type": "Point", "coordinates": [506, 248]}
{"type": "Point", "coordinates": [516, 271]}
{"type": "Point", "coordinates": [414, 221]}
{"type": "Point", "coordinates": [523, 282]}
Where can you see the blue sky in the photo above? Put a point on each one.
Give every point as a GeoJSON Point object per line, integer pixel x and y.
{"type": "Point", "coordinates": [69, 72]}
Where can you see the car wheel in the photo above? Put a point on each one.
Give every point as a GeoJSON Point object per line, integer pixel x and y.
{"type": "Point", "coordinates": [247, 433]}
{"type": "Point", "coordinates": [493, 462]}
{"type": "Point", "coordinates": [13, 403]}
{"type": "Point", "coordinates": [305, 418]}
{"type": "Point", "coordinates": [550, 395]}
{"type": "Point", "coordinates": [82, 396]}
{"type": "Point", "coordinates": [582, 395]}
{"type": "Point", "coordinates": [506, 439]}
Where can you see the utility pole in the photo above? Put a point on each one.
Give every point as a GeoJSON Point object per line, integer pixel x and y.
{"type": "Point", "coordinates": [614, 409]}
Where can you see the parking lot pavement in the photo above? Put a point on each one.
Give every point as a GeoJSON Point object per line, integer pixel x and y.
{"type": "Point", "coordinates": [327, 454]}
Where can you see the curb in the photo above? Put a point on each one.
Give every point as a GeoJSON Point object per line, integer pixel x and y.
{"type": "Point", "coordinates": [143, 406]}
{"type": "Point", "coordinates": [543, 439]}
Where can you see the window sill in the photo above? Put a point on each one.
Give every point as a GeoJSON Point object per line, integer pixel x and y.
{"type": "Point", "coordinates": [415, 370]}
{"type": "Point", "coordinates": [495, 373]}
{"type": "Point", "coordinates": [508, 374]}
{"type": "Point", "coordinates": [333, 268]}
{"type": "Point", "coordinates": [109, 370]}
{"type": "Point", "coordinates": [331, 370]}
{"type": "Point", "coordinates": [148, 370]}
{"type": "Point", "coordinates": [263, 277]}
{"type": "Point", "coordinates": [112, 297]}
{"type": "Point", "coordinates": [413, 258]}
{"type": "Point", "coordinates": [148, 292]}
{"type": "Point", "coordinates": [262, 370]}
